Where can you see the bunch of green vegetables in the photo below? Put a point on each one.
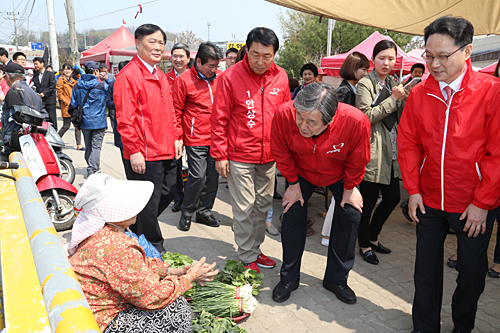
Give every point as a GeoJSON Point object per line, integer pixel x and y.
{"type": "Point", "coordinates": [236, 274]}
{"type": "Point", "coordinates": [176, 260]}
{"type": "Point", "coordinates": [208, 323]}
{"type": "Point", "coordinates": [222, 300]}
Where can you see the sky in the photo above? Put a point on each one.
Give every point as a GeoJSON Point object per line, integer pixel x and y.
{"type": "Point", "coordinates": [226, 17]}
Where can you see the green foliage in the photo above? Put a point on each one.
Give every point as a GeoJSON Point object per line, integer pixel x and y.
{"type": "Point", "coordinates": [176, 260]}
{"type": "Point", "coordinates": [236, 274]}
{"type": "Point", "coordinates": [305, 39]}
{"type": "Point", "coordinates": [208, 323]}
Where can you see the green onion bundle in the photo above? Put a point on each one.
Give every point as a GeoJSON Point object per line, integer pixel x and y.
{"type": "Point", "coordinates": [223, 300]}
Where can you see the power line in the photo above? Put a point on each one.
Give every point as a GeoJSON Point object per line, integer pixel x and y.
{"type": "Point", "coordinates": [116, 11]}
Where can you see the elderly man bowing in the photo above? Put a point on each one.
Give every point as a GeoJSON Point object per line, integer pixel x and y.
{"type": "Point", "coordinates": [316, 142]}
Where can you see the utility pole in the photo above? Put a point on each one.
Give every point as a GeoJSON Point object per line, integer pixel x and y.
{"type": "Point", "coordinates": [331, 26]}
{"type": "Point", "coordinates": [72, 31]}
{"type": "Point", "coordinates": [208, 24]}
{"type": "Point", "coordinates": [13, 13]}
{"type": "Point", "coordinates": [54, 55]}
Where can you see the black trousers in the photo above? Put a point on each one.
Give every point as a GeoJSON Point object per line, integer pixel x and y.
{"type": "Point", "coordinates": [51, 110]}
{"type": "Point", "coordinates": [202, 183]}
{"type": "Point", "coordinates": [369, 231]}
{"type": "Point", "coordinates": [162, 175]}
{"type": "Point", "coordinates": [472, 268]}
{"type": "Point", "coordinates": [342, 236]}
{"type": "Point", "coordinates": [65, 128]}
{"type": "Point", "coordinates": [179, 194]}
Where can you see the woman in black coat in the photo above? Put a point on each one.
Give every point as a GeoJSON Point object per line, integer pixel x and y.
{"type": "Point", "coordinates": [353, 69]}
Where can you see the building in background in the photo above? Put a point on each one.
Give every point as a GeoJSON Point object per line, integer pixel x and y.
{"type": "Point", "coordinates": [486, 50]}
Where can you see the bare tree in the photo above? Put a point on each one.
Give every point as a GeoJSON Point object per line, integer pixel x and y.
{"type": "Point", "coordinates": [189, 38]}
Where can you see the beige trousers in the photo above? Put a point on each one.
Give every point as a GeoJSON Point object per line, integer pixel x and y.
{"type": "Point", "coordinates": [251, 188]}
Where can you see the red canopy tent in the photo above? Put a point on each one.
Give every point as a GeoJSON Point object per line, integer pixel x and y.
{"type": "Point", "coordinates": [121, 38]}
{"type": "Point", "coordinates": [489, 69]}
{"type": "Point", "coordinates": [331, 65]}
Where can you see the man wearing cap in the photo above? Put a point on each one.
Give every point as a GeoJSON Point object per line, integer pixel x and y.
{"type": "Point", "coordinates": [151, 135]}
{"type": "Point", "coordinates": [91, 94]}
{"type": "Point", "coordinates": [45, 83]}
{"type": "Point", "coordinates": [15, 73]}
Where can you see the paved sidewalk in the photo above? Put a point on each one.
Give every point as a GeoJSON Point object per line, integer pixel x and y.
{"type": "Point", "coordinates": [385, 291]}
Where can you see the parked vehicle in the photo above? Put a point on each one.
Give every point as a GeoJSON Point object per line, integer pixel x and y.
{"type": "Point", "coordinates": [57, 194]}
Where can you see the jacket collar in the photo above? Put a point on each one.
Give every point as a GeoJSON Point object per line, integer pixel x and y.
{"type": "Point", "coordinates": [194, 69]}
{"type": "Point", "coordinates": [145, 72]}
{"type": "Point", "coordinates": [432, 86]}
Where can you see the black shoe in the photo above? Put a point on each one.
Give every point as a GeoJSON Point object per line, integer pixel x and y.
{"type": "Point", "coordinates": [493, 274]}
{"type": "Point", "coordinates": [380, 248]}
{"type": "Point", "coordinates": [404, 209]}
{"type": "Point", "coordinates": [283, 290]}
{"type": "Point", "coordinates": [177, 206]}
{"type": "Point", "coordinates": [184, 223]}
{"type": "Point", "coordinates": [369, 256]}
{"type": "Point", "coordinates": [458, 331]}
{"type": "Point", "coordinates": [343, 292]}
{"type": "Point", "coordinates": [452, 263]}
{"type": "Point", "coordinates": [277, 196]}
{"type": "Point", "coordinates": [209, 220]}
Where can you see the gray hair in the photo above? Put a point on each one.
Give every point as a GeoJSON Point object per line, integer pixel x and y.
{"type": "Point", "coordinates": [15, 76]}
{"type": "Point", "coordinates": [318, 97]}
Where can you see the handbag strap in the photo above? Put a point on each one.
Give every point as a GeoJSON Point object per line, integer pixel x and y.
{"type": "Point", "coordinates": [86, 96]}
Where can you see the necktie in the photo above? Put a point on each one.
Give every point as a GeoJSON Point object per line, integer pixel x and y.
{"type": "Point", "coordinates": [154, 71]}
{"type": "Point", "coordinates": [449, 93]}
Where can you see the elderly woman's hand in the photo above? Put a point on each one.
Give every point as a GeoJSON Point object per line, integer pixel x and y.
{"type": "Point", "coordinates": [202, 273]}
{"type": "Point", "coordinates": [179, 271]}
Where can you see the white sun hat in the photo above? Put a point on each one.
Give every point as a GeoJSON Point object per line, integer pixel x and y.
{"type": "Point", "coordinates": [105, 199]}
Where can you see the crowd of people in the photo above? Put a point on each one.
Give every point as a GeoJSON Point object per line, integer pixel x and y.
{"type": "Point", "coordinates": [439, 136]}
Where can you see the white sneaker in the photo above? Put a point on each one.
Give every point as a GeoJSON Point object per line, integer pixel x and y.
{"type": "Point", "coordinates": [325, 242]}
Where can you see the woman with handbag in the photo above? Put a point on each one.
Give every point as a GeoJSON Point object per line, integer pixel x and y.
{"type": "Point", "coordinates": [380, 98]}
{"type": "Point", "coordinates": [64, 87]}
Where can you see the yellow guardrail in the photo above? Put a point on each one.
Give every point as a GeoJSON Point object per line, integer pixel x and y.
{"type": "Point", "coordinates": [23, 303]}
{"type": "Point", "coordinates": [60, 305]}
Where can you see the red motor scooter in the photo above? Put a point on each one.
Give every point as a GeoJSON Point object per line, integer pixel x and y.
{"type": "Point", "coordinates": [57, 194]}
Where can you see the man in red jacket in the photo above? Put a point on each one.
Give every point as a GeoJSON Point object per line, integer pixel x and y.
{"type": "Point", "coordinates": [180, 58]}
{"type": "Point", "coordinates": [317, 142]}
{"type": "Point", "coordinates": [193, 98]}
{"type": "Point", "coordinates": [247, 95]}
{"type": "Point", "coordinates": [180, 55]}
{"type": "Point", "coordinates": [151, 135]}
{"type": "Point", "coordinates": [449, 157]}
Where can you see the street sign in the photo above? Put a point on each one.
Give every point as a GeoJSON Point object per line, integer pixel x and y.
{"type": "Point", "coordinates": [235, 45]}
{"type": "Point", "coordinates": [36, 46]}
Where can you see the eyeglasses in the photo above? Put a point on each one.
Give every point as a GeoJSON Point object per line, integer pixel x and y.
{"type": "Point", "coordinates": [213, 66]}
{"type": "Point", "coordinates": [441, 58]}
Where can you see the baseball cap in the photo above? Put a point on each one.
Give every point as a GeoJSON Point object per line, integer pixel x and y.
{"type": "Point", "coordinates": [91, 65]}
{"type": "Point", "coordinates": [13, 67]}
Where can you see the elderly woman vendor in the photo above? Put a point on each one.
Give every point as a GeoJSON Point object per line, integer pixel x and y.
{"type": "Point", "coordinates": [127, 291]}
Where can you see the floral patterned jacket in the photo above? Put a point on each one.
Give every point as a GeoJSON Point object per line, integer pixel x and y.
{"type": "Point", "coordinates": [115, 275]}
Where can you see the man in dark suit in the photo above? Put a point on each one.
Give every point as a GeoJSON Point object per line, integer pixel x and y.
{"type": "Point", "coordinates": [45, 83]}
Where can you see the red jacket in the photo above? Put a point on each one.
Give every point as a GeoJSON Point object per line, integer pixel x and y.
{"type": "Point", "coordinates": [451, 156]}
{"type": "Point", "coordinates": [145, 113]}
{"type": "Point", "coordinates": [170, 78]}
{"type": "Point", "coordinates": [340, 152]}
{"type": "Point", "coordinates": [243, 111]}
{"type": "Point", "coordinates": [193, 99]}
